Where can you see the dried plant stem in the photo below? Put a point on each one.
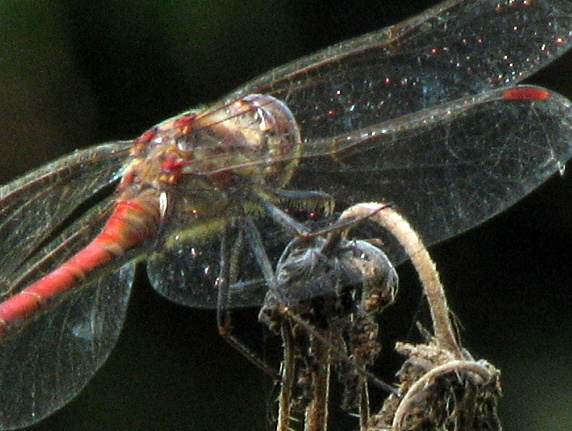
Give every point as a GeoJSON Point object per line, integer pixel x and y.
{"type": "Point", "coordinates": [287, 380]}
{"type": "Point", "coordinates": [394, 222]}
{"type": "Point", "coordinates": [317, 410]}
{"type": "Point", "coordinates": [414, 392]}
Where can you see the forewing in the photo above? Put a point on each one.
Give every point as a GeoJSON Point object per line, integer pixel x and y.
{"type": "Point", "coordinates": [456, 49]}
{"type": "Point", "coordinates": [36, 205]}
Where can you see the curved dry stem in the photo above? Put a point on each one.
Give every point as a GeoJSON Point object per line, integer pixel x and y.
{"type": "Point", "coordinates": [416, 389]}
{"type": "Point", "coordinates": [400, 228]}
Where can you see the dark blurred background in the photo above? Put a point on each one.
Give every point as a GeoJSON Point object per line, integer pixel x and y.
{"type": "Point", "coordinates": [73, 74]}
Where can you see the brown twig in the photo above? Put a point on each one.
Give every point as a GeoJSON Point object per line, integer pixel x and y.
{"type": "Point", "coordinates": [396, 224]}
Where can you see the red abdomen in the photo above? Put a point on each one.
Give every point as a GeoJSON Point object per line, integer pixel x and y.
{"type": "Point", "coordinates": [132, 223]}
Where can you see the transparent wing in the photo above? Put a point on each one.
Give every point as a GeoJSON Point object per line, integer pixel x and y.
{"type": "Point", "coordinates": [451, 51]}
{"type": "Point", "coordinates": [36, 205]}
{"type": "Point", "coordinates": [45, 218]}
{"type": "Point", "coordinates": [186, 271]}
{"type": "Point", "coordinates": [451, 167]}
{"type": "Point", "coordinates": [53, 357]}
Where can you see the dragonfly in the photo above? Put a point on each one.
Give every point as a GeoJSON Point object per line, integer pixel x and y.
{"type": "Point", "coordinates": [426, 114]}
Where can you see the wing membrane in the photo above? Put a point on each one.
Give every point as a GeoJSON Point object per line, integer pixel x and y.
{"type": "Point", "coordinates": [54, 357]}
{"type": "Point", "coordinates": [32, 207]}
{"type": "Point", "coordinates": [185, 272]}
{"type": "Point", "coordinates": [451, 51]}
{"type": "Point", "coordinates": [448, 168]}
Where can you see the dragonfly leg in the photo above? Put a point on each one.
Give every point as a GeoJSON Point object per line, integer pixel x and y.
{"type": "Point", "coordinates": [300, 230]}
{"type": "Point", "coordinates": [223, 315]}
{"type": "Point", "coordinates": [285, 220]}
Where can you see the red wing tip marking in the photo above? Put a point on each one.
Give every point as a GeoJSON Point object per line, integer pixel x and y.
{"type": "Point", "coordinates": [526, 93]}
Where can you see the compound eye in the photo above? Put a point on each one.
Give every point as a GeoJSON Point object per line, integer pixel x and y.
{"type": "Point", "coordinates": [274, 120]}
